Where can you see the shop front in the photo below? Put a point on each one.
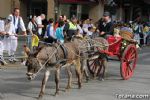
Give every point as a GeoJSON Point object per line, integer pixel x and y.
{"type": "Point", "coordinates": [82, 9]}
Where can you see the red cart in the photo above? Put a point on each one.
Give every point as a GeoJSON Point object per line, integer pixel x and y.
{"type": "Point", "coordinates": [125, 51]}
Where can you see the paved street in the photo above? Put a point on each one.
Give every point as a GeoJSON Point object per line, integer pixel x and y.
{"type": "Point", "coordinates": [15, 86]}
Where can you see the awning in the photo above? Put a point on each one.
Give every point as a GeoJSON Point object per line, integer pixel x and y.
{"type": "Point", "coordinates": [78, 1]}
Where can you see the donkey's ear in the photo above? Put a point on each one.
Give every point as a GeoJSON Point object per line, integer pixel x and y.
{"type": "Point", "coordinates": [26, 50]}
{"type": "Point", "coordinates": [36, 51]}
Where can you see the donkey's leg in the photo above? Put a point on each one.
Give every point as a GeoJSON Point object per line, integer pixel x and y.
{"type": "Point", "coordinates": [44, 81]}
{"type": "Point", "coordinates": [98, 65]}
{"type": "Point", "coordinates": [57, 78]}
{"type": "Point", "coordinates": [104, 65]}
{"type": "Point", "coordinates": [78, 71]}
{"type": "Point", "coordinates": [84, 69]}
{"type": "Point", "coordinates": [68, 68]}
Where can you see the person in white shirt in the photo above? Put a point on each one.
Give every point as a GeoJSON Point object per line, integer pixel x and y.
{"type": "Point", "coordinates": [2, 33]}
{"type": "Point", "coordinates": [6, 29]}
{"type": "Point", "coordinates": [32, 26]}
{"type": "Point", "coordinates": [79, 27]}
{"type": "Point", "coordinates": [18, 23]}
{"type": "Point", "coordinates": [39, 23]}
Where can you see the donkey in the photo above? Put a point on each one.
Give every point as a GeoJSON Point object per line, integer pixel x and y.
{"type": "Point", "coordinates": [54, 56]}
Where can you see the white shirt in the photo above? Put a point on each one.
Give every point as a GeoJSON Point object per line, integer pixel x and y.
{"type": "Point", "coordinates": [80, 29]}
{"type": "Point", "coordinates": [39, 22]}
{"type": "Point", "coordinates": [16, 21]}
{"type": "Point", "coordinates": [32, 26]}
{"type": "Point", "coordinates": [89, 33]}
{"type": "Point", "coordinates": [2, 23]}
{"type": "Point", "coordinates": [85, 27]}
{"type": "Point", "coordinates": [52, 32]}
{"type": "Point", "coordinates": [10, 30]}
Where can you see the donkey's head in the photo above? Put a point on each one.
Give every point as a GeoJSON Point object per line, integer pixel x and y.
{"type": "Point", "coordinates": [33, 64]}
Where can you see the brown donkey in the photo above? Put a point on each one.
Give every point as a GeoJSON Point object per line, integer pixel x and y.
{"type": "Point", "coordinates": [54, 56]}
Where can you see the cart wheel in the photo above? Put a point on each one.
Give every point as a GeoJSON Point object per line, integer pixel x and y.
{"type": "Point", "coordinates": [94, 66]}
{"type": "Point", "coordinates": [128, 62]}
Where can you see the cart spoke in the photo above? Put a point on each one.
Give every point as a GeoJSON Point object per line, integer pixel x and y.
{"type": "Point", "coordinates": [130, 68]}
{"type": "Point", "coordinates": [132, 56]}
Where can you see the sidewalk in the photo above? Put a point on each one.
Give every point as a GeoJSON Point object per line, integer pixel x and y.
{"type": "Point", "coordinates": [12, 65]}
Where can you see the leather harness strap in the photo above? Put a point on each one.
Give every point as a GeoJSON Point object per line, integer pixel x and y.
{"type": "Point", "coordinates": [64, 50]}
{"type": "Point", "coordinates": [62, 61]}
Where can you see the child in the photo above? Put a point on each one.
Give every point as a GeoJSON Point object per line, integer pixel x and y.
{"type": "Point", "coordinates": [90, 31]}
{"type": "Point", "coordinates": [78, 34]}
{"type": "Point", "coordinates": [59, 32]}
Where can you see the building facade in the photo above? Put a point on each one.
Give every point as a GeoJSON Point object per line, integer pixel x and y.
{"type": "Point", "coordinates": [129, 10]}
{"type": "Point", "coordinates": [83, 9]}
{"type": "Point", "coordinates": [7, 6]}
{"type": "Point", "coordinates": [123, 10]}
{"type": "Point", "coordinates": [53, 8]}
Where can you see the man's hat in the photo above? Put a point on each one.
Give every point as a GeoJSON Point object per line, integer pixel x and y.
{"type": "Point", "coordinates": [106, 14]}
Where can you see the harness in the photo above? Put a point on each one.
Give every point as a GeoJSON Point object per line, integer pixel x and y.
{"type": "Point", "coordinates": [63, 60]}
{"type": "Point", "coordinates": [64, 51]}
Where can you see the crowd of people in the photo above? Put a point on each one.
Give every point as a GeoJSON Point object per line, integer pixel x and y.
{"type": "Point", "coordinates": [61, 31]}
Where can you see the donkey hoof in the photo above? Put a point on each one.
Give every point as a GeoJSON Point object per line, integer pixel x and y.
{"type": "Point", "coordinates": [87, 79]}
{"type": "Point", "coordinates": [80, 86]}
{"type": "Point", "coordinates": [101, 79]}
{"type": "Point", "coordinates": [40, 97]}
{"type": "Point", "coordinates": [94, 77]}
{"type": "Point", "coordinates": [68, 87]}
{"type": "Point", "coordinates": [56, 93]}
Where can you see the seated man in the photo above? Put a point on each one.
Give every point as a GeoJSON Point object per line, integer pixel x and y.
{"type": "Point", "coordinates": [105, 26]}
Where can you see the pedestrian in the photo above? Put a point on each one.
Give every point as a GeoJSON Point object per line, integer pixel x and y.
{"type": "Point", "coordinates": [39, 20]}
{"type": "Point", "coordinates": [50, 32]}
{"type": "Point", "coordinates": [61, 18]}
{"type": "Point", "coordinates": [70, 29]}
{"type": "Point", "coordinates": [105, 26]}
{"type": "Point", "coordinates": [138, 33]}
{"type": "Point", "coordinates": [145, 32]}
{"type": "Point", "coordinates": [89, 23]}
{"type": "Point", "coordinates": [18, 23]}
{"type": "Point", "coordinates": [6, 30]}
{"type": "Point", "coordinates": [59, 32]}
{"type": "Point", "coordinates": [32, 29]}
{"type": "Point", "coordinates": [79, 27]}
{"type": "Point", "coordinates": [85, 26]}
{"type": "Point", "coordinates": [2, 33]}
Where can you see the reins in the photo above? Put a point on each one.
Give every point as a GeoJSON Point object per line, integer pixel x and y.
{"type": "Point", "coordinates": [50, 56]}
